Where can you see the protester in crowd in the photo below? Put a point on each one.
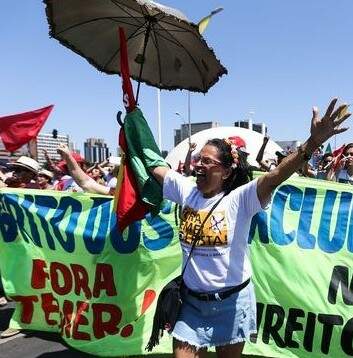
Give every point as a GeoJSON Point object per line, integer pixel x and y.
{"type": "Point", "coordinates": [44, 179]}
{"type": "Point", "coordinates": [265, 165]}
{"type": "Point", "coordinates": [4, 173]}
{"type": "Point", "coordinates": [52, 165]}
{"type": "Point", "coordinates": [316, 157]}
{"type": "Point", "coordinates": [344, 170]}
{"type": "Point", "coordinates": [187, 169]}
{"type": "Point", "coordinates": [67, 182]}
{"type": "Point", "coordinates": [83, 180]}
{"type": "Point", "coordinates": [325, 167]}
{"type": "Point", "coordinates": [269, 165]}
{"type": "Point", "coordinates": [219, 305]}
{"type": "Point", "coordinates": [24, 172]}
{"type": "Point", "coordinates": [110, 168]}
{"type": "Point", "coordinates": [322, 171]}
{"type": "Point", "coordinates": [96, 174]}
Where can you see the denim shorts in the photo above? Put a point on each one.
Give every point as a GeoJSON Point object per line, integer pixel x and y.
{"type": "Point", "coordinates": [217, 323]}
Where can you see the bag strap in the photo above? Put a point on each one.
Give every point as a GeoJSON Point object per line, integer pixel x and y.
{"type": "Point", "coordinates": [197, 235]}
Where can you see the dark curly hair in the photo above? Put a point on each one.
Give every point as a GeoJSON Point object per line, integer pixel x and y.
{"type": "Point", "coordinates": [240, 175]}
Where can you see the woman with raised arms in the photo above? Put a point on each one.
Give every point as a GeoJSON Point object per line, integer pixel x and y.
{"type": "Point", "coordinates": [219, 305]}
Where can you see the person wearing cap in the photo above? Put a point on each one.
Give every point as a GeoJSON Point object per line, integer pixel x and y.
{"type": "Point", "coordinates": [24, 171]}
{"type": "Point", "coordinates": [44, 179]}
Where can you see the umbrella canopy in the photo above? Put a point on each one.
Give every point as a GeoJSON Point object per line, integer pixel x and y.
{"type": "Point", "coordinates": [165, 49]}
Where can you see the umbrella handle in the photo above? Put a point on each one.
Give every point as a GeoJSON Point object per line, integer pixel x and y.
{"type": "Point", "coordinates": [118, 118]}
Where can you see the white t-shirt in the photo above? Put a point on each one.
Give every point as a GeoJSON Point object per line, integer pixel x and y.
{"type": "Point", "coordinates": [221, 258]}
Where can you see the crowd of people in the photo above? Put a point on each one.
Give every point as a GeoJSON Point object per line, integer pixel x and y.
{"type": "Point", "coordinates": [334, 166]}
{"type": "Point", "coordinates": [26, 172]}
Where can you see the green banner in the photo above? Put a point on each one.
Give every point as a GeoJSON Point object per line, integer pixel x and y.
{"type": "Point", "coordinates": [70, 271]}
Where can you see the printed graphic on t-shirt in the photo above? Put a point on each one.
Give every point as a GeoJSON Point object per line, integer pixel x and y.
{"type": "Point", "coordinates": [214, 232]}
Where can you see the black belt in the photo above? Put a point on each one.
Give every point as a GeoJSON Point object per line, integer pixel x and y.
{"type": "Point", "coordinates": [217, 296]}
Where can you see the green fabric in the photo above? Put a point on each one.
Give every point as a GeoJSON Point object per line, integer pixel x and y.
{"type": "Point", "coordinates": [143, 153]}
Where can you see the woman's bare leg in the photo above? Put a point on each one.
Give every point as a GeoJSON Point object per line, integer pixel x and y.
{"type": "Point", "coordinates": [185, 350]}
{"type": "Point", "coordinates": [230, 350]}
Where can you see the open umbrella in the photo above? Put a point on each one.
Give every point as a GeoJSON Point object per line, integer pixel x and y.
{"type": "Point", "coordinates": [165, 49]}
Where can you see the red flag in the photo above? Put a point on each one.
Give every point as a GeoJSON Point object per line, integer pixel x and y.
{"type": "Point", "coordinates": [128, 93]}
{"type": "Point", "coordinates": [18, 129]}
{"type": "Point", "coordinates": [129, 206]}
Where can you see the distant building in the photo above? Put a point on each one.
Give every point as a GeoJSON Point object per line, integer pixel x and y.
{"type": "Point", "coordinates": [288, 145]}
{"type": "Point", "coordinates": [46, 141]}
{"type": "Point", "coordinates": [183, 132]}
{"type": "Point", "coordinates": [73, 148]}
{"type": "Point", "coordinates": [257, 127]}
{"type": "Point", "coordinates": [6, 156]}
{"type": "Point", "coordinates": [96, 150]}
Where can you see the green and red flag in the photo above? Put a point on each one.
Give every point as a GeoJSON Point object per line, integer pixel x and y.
{"type": "Point", "coordinates": [129, 206]}
{"type": "Point", "coordinates": [138, 192]}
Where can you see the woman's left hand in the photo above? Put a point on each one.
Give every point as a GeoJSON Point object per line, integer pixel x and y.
{"type": "Point", "coordinates": [324, 128]}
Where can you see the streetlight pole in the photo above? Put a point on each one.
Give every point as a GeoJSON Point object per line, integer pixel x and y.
{"type": "Point", "coordinates": [189, 116]}
{"type": "Point", "coordinates": [189, 127]}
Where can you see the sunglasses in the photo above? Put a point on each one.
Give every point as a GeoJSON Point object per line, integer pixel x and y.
{"type": "Point", "coordinates": [206, 161]}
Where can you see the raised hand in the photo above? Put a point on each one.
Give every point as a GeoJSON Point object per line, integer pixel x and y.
{"type": "Point", "coordinates": [192, 147]}
{"type": "Point", "coordinates": [63, 150]}
{"type": "Point", "coordinates": [324, 128]}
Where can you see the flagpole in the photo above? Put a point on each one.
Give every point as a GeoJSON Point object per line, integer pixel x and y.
{"type": "Point", "coordinates": [159, 125]}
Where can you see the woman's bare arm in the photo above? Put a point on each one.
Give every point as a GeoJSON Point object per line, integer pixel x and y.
{"type": "Point", "coordinates": [81, 178]}
{"type": "Point", "coordinates": [321, 130]}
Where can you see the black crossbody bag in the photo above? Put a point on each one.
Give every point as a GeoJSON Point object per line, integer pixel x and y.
{"type": "Point", "coordinates": [169, 299]}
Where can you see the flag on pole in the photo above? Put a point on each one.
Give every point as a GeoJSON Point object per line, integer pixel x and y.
{"type": "Point", "coordinates": [203, 23]}
{"type": "Point", "coordinates": [128, 204]}
{"type": "Point", "coordinates": [18, 129]}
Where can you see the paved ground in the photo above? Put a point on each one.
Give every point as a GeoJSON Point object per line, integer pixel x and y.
{"type": "Point", "coordinates": [33, 344]}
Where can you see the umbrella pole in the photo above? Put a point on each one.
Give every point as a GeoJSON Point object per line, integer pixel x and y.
{"type": "Point", "coordinates": [147, 35]}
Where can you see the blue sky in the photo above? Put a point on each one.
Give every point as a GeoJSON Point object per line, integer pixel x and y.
{"type": "Point", "coordinates": [283, 57]}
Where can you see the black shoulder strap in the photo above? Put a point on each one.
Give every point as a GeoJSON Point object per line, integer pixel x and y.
{"type": "Point", "coordinates": [197, 235]}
